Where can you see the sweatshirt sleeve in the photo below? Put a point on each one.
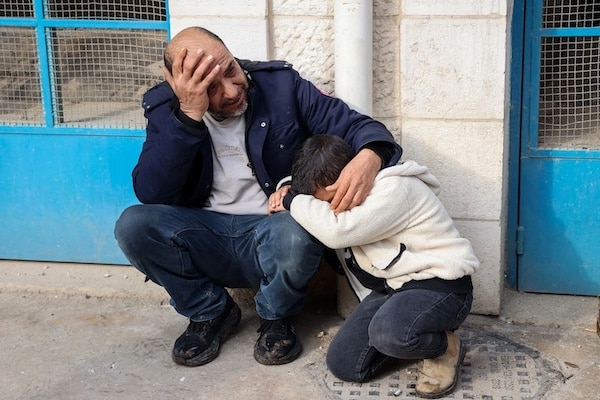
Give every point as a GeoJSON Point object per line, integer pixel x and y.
{"type": "Point", "coordinates": [381, 215]}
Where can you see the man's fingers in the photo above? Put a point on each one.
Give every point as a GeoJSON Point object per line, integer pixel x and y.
{"type": "Point", "coordinates": [346, 203]}
{"type": "Point", "coordinates": [168, 76]}
{"type": "Point", "coordinates": [177, 65]}
{"type": "Point", "coordinates": [204, 63]}
{"type": "Point", "coordinates": [192, 65]}
{"type": "Point", "coordinates": [212, 73]}
{"type": "Point", "coordinates": [338, 196]}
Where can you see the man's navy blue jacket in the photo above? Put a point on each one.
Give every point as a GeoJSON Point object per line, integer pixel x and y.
{"type": "Point", "coordinates": [176, 167]}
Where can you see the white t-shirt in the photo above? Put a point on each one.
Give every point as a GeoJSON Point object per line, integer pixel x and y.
{"type": "Point", "coordinates": [235, 188]}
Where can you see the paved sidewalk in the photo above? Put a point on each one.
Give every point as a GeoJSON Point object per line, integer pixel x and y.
{"type": "Point", "coordinates": [73, 331]}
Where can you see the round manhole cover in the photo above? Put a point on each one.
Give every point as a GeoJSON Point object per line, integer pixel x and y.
{"type": "Point", "coordinates": [493, 368]}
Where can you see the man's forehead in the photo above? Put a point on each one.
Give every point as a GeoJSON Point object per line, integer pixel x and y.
{"type": "Point", "coordinates": [200, 42]}
{"type": "Point", "coordinates": [195, 41]}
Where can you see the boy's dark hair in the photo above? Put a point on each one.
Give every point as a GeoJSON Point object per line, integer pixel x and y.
{"type": "Point", "coordinates": [318, 163]}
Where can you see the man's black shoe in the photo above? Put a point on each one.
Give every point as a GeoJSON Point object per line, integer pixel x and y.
{"type": "Point", "coordinates": [200, 342]}
{"type": "Point", "coordinates": [277, 343]}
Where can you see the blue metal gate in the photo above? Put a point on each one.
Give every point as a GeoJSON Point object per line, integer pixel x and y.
{"type": "Point", "coordinates": [559, 195]}
{"type": "Point", "coordinates": [72, 74]}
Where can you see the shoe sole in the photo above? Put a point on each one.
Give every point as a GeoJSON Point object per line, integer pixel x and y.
{"type": "Point", "coordinates": [451, 388]}
{"type": "Point", "coordinates": [289, 357]}
{"type": "Point", "coordinates": [232, 320]}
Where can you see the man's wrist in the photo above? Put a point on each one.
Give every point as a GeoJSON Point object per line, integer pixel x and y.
{"type": "Point", "coordinates": [186, 120]}
{"type": "Point", "coordinates": [384, 150]}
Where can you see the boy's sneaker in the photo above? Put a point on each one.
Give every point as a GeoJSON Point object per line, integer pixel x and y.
{"type": "Point", "coordinates": [200, 342]}
{"type": "Point", "coordinates": [277, 343]}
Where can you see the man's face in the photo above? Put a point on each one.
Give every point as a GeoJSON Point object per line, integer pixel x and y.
{"type": "Point", "coordinates": [228, 93]}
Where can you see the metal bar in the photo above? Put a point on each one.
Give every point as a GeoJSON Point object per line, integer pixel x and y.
{"type": "Point", "coordinates": [82, 23]}
{"type": "Point", "coordinates": [45, 78]}
{"type": "Point", "coordinates": [569, 32]}
{"type": "Point", "coordinates": [72, 131]}
{"type": "Point", "coordinates": [564, 153]}
{"type": "Point", "coordinates": [534, 77]}
{"type": "Point", "coordinates": [4, 21]}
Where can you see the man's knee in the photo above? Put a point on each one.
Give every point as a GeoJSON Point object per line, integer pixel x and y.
{"type": "Point", "coordinates": [125, 225]}
{"type": "Point", "coordinates": [282, 226]}
{"type": "Point", "coordinates": [132, 228]}
{"type": "Point", "coordinates": [289, 241]}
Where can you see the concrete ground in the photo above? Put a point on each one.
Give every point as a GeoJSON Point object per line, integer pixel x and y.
{"type": "Point", "coordinates": [73, 331]}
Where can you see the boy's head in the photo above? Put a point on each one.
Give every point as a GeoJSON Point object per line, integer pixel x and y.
{"type": "Point", "coordinates": [318, 164]}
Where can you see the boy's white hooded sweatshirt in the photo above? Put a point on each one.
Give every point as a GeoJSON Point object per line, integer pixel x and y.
{"type": "Point", "coordinates": [402, 208]}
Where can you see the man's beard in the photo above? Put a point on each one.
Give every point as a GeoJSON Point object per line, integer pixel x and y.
{"type": "Point", "coordinates": [236, 113]}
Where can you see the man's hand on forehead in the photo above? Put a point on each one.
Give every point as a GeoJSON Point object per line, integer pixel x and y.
{"type": "Point", "coordinates": [192, 74]}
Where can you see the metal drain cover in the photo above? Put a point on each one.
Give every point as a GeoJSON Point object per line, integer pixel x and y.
{"type": "Point", "coordinates": [494, 368]}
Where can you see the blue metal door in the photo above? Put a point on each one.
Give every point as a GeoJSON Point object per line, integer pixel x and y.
{"type": "Point", "coordinates": [559, 195]}
{"type": "Point", "coordinates": [72, 74]}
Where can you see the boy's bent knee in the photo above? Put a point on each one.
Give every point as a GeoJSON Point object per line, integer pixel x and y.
{"type": "Point", "coordinates": [344, 364]}
{"type": "Point", "coordinates": [338, 366]}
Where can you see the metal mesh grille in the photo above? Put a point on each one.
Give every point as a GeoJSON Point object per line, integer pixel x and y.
{"type": "Point", "coordinates": [147, 10]}
{"type": "Point", "coordinates": [16, 8]}
{"type": "Point", "coordinates": [571, 13]}
{"type": "Point", "coordinates": [100, 75]}
{"type": "Point", "coordinates": [20, 93]}
{"type": "Point", "coordinates": [91, 77]}
{"type": "Point", "coordinates": [569, 109]}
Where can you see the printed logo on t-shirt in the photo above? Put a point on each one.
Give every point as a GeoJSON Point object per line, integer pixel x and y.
{"type": "Point", "coordinates": [229, 151]}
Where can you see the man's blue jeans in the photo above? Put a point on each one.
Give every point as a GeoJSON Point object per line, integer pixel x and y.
{"type": "Point", "coordinates": [408, 325]}
{"type": "Point", "coordinates": [194, 254]}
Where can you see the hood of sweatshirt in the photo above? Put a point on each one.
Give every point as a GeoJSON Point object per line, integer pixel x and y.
{"type": "Point", "coordinates": [412, 168]}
